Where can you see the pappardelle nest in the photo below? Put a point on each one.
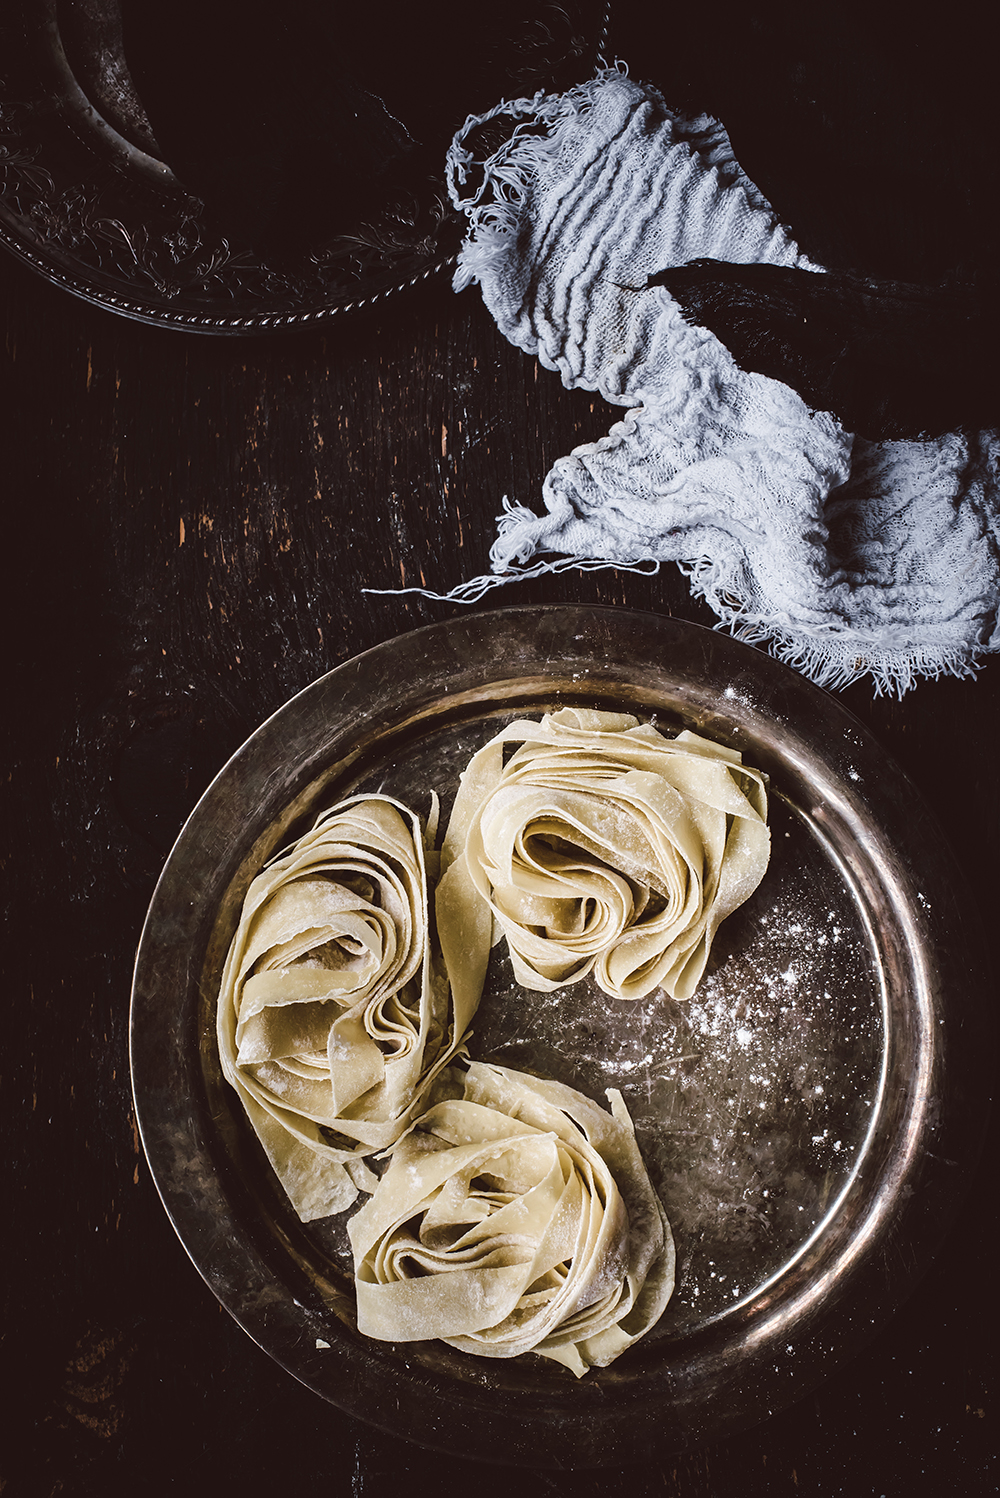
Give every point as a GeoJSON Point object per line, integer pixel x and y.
{"type": "Point", "coordinates": [334, 1015]}
{"type": "Point", "coordinates": [516, 1217]}
{"type": "Point", "coordinates": [600, 846]}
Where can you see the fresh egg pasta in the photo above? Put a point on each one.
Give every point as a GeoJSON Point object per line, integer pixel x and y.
{"type": "Point", "coordinates": [333, 1015]}
{"type": "Point", "coordinates": [516, 1217]}
{"type": "Point", "coordinates": [602, 847]}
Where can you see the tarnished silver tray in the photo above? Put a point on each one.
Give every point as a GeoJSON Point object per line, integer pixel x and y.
{"type": "Point", "coordinates": [233, 172]}
{"type": "Point", "coordinates": [807, 1117]}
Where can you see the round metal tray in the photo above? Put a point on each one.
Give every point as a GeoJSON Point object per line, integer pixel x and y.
{"type": "Point", "coordinates": [216, 171]}
{"type": "Point", "coordinates": [801, 1116]}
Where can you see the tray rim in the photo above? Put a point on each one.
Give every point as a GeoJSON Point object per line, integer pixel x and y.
{"type": "Point", "coordinates": [90, 210]}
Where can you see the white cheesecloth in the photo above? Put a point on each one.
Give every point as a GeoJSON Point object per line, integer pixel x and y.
{"type": "Point", "coordinates": [846, 557]}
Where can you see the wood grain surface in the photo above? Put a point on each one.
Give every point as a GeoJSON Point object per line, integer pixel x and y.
{"type": "Point", "coordinates": [187, 527]}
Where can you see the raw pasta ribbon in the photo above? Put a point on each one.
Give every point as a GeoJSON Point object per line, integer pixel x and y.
{"type": "Point", "coordinates": [333, 1017]}
{"type": "Point", "coordinates": [516, 1218]}
{"type": "Point", "coordinates": [601, 846]}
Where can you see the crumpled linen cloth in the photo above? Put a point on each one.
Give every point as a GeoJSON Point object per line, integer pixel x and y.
{"type": "Point", "coordinates": [845, 557]}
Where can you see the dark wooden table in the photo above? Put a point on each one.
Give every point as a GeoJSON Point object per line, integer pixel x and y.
{"type": "Point", "coordinates": [187, 526]}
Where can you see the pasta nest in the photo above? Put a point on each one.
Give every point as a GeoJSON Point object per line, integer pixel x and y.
{"type": "Point", "coordinates": [602, 847]}
{"type": "Point", "coordinates": [333, 1018]}
{"type": "Point", "coordinates": [517, 1217]}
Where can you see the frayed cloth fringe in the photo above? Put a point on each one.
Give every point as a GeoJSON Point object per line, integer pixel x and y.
{"type": "Point", "coordinates": [494, 207]}
{"type": "Point", "coordinates": [833, 661]}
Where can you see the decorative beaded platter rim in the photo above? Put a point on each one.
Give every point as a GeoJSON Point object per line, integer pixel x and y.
{"type": "Point", "coordinates": [808, 1117]}
{"type": "Point", "coordinates": [89, 200]}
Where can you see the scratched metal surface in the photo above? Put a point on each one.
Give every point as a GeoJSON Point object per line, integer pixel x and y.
{"type": "Point", "coordinates": [752, 1101]}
